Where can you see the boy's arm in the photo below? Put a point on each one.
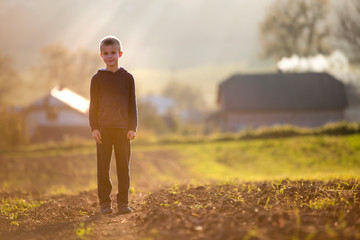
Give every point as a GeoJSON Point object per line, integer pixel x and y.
{"type": "Point", "coordinates": [133, 117]}
{"type": "Point", "coordinates": [93, 109]}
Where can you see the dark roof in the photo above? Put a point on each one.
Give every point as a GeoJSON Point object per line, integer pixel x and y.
{"type": "Point", "coordinates": [282, 91]}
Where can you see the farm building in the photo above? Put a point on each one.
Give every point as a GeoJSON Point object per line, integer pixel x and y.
{"type": "Point", "coordinates": [301, 99]}
{"type": "Point", "coordinates": [60, 114]}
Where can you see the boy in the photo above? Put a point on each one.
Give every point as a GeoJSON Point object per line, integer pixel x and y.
{"type": "Point", "coordinates": [113, 123]}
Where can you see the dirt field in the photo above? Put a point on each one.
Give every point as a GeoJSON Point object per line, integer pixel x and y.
{"type": "Point", "coordinates": [249, 210]}
{"type": "Point", "coordinates": [52, 195]}
{"type": "Point", "coordinates": [255, 210]}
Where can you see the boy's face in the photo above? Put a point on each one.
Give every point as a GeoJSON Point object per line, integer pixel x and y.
{"type": "Point", "coordinates": [110, 55]}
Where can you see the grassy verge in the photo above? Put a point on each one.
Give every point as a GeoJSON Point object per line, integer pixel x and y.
{"type": "Point", "coordinates": [307, 157]}
{"type": "Point", "coordinates": [68, 169]}
{"type": "Point", "coordinates": [87, 146]}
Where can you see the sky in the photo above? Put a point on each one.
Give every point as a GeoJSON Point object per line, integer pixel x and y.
{"type": "Point", "coordinates": [202, 41]}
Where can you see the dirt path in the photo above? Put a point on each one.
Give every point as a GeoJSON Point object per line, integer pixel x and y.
{"type": "Point", "coordinates": [74, 216]}
{"type": "Point", "coordinates": [63, 216]}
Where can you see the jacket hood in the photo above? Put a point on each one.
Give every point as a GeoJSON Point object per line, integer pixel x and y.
{"type": "Point", "coordinates": [121, 69]}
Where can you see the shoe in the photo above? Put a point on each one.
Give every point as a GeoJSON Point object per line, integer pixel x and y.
{"type": "Point", "coordinates": [106, 210]}
{"type": "Point", "coordinates": [124, 209]}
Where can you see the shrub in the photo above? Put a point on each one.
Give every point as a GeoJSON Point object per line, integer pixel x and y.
{"type": "Point", "coordinates": [338, 128]}
{"type": "Point", "coordinates": [12, 129]}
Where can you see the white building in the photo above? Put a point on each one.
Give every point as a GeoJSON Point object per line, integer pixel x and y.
{"type": "Point", "coordinates": [60, 114]}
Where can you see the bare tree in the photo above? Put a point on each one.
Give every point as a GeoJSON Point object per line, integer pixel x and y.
{"type": "Point", "coordinates": [85, 64]}
{"type": "Point", "coordinates": [348, 28]}
{"type": "Point", "coordinates": [55, 67]}
{"type": "Point", "coordinates": [295, 27]}
{"type": "Point", "coordinates": [8, 78]}
{"type": "Point", "coordinates": [188, 100]}
{"type": "Point", "coordinates": [61, 67]}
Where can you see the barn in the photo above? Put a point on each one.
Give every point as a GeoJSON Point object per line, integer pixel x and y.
{"type": "Point", "coordinates": [300, 99]}
{"type": "Point", "coordinates": [60, 114]}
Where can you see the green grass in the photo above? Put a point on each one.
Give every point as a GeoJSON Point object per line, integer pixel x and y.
{"type": "Point", "coordinates": [82, 231]}
{"type": "Point", "coordinates": [87, 146]}
{"type": "Point", "coordinates": [308, 157]}
{"type": "Point", "coordinates": [70, 168]}
{"type": "Point", "coordinates": [66, 148]}
{"type": "Point", "coordinates": [14, 208]}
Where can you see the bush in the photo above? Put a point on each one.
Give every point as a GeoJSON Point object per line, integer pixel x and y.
{"type": "Point", "coordinates": [339, 128]}
{"type": "Point", "coordinates": [12, 129]}
{"type": "Point", "coordinates": [277, 131]}
{"type": "Point", "coordinates": [283, 131]}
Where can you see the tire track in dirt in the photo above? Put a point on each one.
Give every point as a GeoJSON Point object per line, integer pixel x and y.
{"type": "Point", "coordinates": [151, 170]}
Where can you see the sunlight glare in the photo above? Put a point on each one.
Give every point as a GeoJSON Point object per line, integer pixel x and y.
{"type": "Point", "coordinates": [70, 98]}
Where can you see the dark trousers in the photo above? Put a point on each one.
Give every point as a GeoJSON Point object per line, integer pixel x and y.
{"type": "Point", "coordinates": [113, 138]}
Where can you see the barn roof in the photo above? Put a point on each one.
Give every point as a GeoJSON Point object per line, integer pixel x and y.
{"type": "Point", "coordinates": [62, 97]}
{"type": "Point", "coordinates": [281, 91]}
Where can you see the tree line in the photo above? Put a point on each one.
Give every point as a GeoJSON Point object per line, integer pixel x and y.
{"type": "Point", "coordinates": [308, 27]}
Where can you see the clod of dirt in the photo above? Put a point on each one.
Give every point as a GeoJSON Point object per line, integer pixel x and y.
{"type": "Point", "coordinates": [255, 210]}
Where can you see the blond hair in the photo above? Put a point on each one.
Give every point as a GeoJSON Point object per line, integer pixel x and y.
{"type": "Point", "coordinates": [110, 40]}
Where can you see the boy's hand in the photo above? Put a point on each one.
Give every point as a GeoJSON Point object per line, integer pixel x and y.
{"type": "Point", "coordinates": [97, 136]}
{"type": "Point", "coordinates": [131, 135]}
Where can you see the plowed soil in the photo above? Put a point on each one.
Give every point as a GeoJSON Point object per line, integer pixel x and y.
{"type": "Point", "coordinates": [255, 210]}
{"type": "Point", "coordinates": [244, 210]}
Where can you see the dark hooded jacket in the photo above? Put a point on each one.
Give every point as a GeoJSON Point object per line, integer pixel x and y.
{"type": "Point", "coordinates": [113, 100]}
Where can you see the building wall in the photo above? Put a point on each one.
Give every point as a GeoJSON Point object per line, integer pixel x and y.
{"type": "Point", "coordinates": [232, 121]}
{"type": "Point", "coordinates": [64, 117]}
{"type": "Point", "coordinates": [352, 114]}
